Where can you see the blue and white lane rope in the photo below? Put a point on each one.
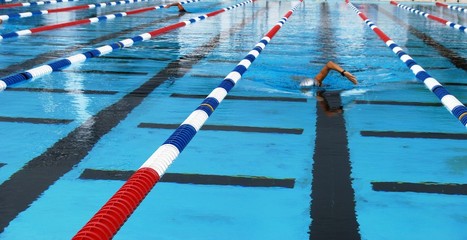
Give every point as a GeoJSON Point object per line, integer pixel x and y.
{"type": "Point", "coordinates": [66, 9]}
{"type": "Point", "coordinates": [452, 104]}
{"type": "Point", "coordinates": [432, 17]}
{"type": "Point", "coordinates": [163, 157]}
{"type": "Point", "coordinates": [100, 51]}
{"type": "Point", "coordinates": [457, 8]}
{"type": "Point", "coordinates": [104, 224]}
{"type": "Point", "coordinates": [83, 21]}
{"type": "Point", "coordinates": [28, 4]}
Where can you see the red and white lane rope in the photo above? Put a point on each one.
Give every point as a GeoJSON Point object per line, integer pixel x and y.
{"type": "Point", "coordinates": [457, 8]}
{"type": "Point", "coordinates": [452, 104]}
{"type": "Point", "coordinates": [106, 222]}
{"type": "Point", "coordinates": [432, 17]}
{"type": "Point", "coordinates": [66, 9]}
{"type": "Point", "coordinates": [28, 4]}
{"type": "Point", "coordinates": [83, 21]}
{"type": "Point", "coordinates": [78, 58]}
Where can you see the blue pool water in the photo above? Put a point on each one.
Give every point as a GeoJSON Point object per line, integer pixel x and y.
{"type": "Point", "coordinates": [71, 138]}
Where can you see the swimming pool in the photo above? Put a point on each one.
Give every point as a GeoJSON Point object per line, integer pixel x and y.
{"type": "Point", "coordinates": [271, 162]}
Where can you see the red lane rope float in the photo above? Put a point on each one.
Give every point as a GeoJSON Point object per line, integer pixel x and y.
{"type": "Point", "coordinates": [27, 4]}
{"type": "Point", "coordinates": [99, 227]}
{"type": "Point", "coordinates": [452, 104]}
{"type": "Point", "coordinates": [451, 7]}
{"type": "Point", "coordinates": [83, 21]}
{"type": "Point", "coordinates": [432, 17]}
{"type": "Point", "coordinates": [108, 220]}
{"type": "Point", "coordinates": [66, 9]}
{"type": "Point", "coordinates": [97, 52]}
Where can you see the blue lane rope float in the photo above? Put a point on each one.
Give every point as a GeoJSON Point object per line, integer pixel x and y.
{"type": "Point", "coordinates": [83, 21]}
{"type": "Point", "coordinates": [452, 104]}
{"type": "Point", "coordinates": [66, 9]}
{"type": "Point", "coordinates": [106, 222]}
{"type": "Point", "coordinates": [432, 17]}
{"type": "Point", "coordinates": [78, 58]}
{"type": "Point", "coordinates": [457, 8]}
{"type": "Point", "coordinates": [28, 4]}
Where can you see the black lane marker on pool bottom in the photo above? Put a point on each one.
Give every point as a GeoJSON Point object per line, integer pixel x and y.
{"type": "Point", "coordinates": [105, 72]}
{"type": "Point", "coordinates": [35, 120]}
{"type": "Point", "coordinates": [2, 164]}
{"type": "Point", "coordinates": [127, 58]}
{"type": "Point", "coordinates": [394, 134]}
{"type": "Point", "coordinates": [425, 187]}
{"type": "Point", "coordinates": [26, 185]}
{"type": "Point", "coordinates": [187, 178]}
{"type": "Point", "coordinates": [228, 128]}
{"type": "Point", "coordinates": [247, 98]}
{"type": "Point", "coordinates": [455, 84]}
{"type": "Point", "coordinates": [208, 76]}
{"type": "Point", "coordinates": [418, 104]}
{"type": "Point", "coordinates": [54, 90]}
{"type": "Point", "coordinates": [332, 205]}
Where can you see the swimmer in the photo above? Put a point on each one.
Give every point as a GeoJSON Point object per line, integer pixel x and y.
{"type": "Point", "coordinates": [319, 78]}
{"type": "Point", "coordinates": [179, 5]}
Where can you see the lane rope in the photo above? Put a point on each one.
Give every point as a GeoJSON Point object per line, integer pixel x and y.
{"type": "Point", "coordinates": [83, 21]}
{"type": "Point", "coordinates": [106, 222]}
{"type": "Point", "coordinates": [100, 51]}
{"type": "Point", "coordinates": [457, 8]}
{"type": "Point", "coordinates": [28, 4]}
{"type": "Point", "coordinates": [452, 104]}
{"type": "Point", "coordinates": [432, 17]}
{"type": "Point", "coordinates": [66, 9]}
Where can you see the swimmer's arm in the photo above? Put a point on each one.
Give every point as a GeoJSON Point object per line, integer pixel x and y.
{"type": "Point", "coordinates": [336, 67]}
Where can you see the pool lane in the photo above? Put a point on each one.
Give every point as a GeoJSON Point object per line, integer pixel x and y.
{"type": "Point", "coordinates": [144, 179]}
{"type": "Point", "coordinates": [405, 176]}
{"type": "Point", "coordinates": [452, 104]}
{"type": "Point", "coordinates": [452, 55]}
{"type": "Point", "coordinates": [332, 208]}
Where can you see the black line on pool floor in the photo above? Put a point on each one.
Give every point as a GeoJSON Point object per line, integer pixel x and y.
{"type": "Point", "coordinates": [444, 83]}
{"type": "Point", "coordinates": [228, 128]}
{"type": "Point", "coordinates": [126, 58]}
{"type": "Point", "coordinates": [35, 120]}
{"type": "Point", "coordinates": [424, 187]}
{"type": "Point", "coordinates": [283, 99]}
{"type": "Point", "coordinates": [394, 134]}
{"type": "Point", "coordinates": [27, 184]}
{"type": "Point", "coordinates": [208, 76]}
{"type": "Point", "coordinates": [2, 164]}
{"type": "Point", "coordinates": [455, 84]}
{"type": "Point", "coordinates": [333, 205]}
{"type": "Point", "coordinates": [187, 178]}
{"type": "Point", "coordinates": [105, 72]}
{"type": "Point", "coordinates": [223, 61]}
{"type": "Point", "coordinates": [52, 90]}
{"type": "Point", "coordinates": [418, 104]}
{"type": "Point", "coordinates": [452, 56]}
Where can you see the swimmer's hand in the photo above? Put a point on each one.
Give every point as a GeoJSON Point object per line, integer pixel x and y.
{"type": "Point", "coordinates": [351, 77]}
